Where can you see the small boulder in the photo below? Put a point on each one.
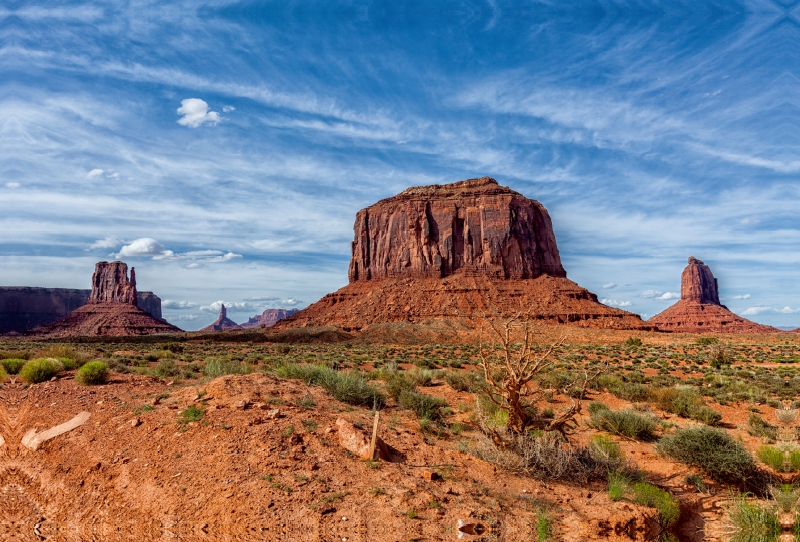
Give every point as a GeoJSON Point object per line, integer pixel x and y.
{"type": "Point", "coordinates": [358, 441]}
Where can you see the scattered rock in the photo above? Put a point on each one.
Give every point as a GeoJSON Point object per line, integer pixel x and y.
{"type": "Point", "coordinates": [242, 405]}
{"type": "Point", "coordinates": [273, 414]}
{"type": "Point", "coordinates": [135, 422]}
{"type": "Point", "coordinates": [357, 441]}
{"type": "Point", "coordinates": [430, 475]}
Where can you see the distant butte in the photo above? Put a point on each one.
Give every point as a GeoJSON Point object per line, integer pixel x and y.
{"type": "Point", "coordinates": [699, 309]}
{"type": "Point", "coordinates": [223, 323]}
{"type": "Point", "coordinates": [268, 318]}
{"type": "Point", "coordinates": [454, 251]}
{"type": "Point", "coordinates": [111, 311]}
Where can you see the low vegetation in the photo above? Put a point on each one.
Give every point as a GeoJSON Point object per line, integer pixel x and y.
{"type": "Point", "coordinates": [40, 370]}
{"type": "Point", "coordinates": [92, 373]}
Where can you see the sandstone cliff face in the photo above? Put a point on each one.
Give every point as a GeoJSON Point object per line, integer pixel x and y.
{"type": "Point", "coordinates": [473, 227]}
{"type": "Point", "coordinates": [22, 308]}
{"type": "Point", "coordinates": [698, 283]}
{"type": "Point", "coordinates": [223, 323]}
{"type": "Point", "coordinates": [110, 284]}
{"type": "Point", "coordinates": [699, 309]}
{"type": "Point", "coordinates": [268, 318]}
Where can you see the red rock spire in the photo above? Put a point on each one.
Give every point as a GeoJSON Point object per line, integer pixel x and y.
{"type": "Point", "coordinates": [698, 283]}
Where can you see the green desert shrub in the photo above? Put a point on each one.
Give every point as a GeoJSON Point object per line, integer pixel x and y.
{"type": "Point", "coordinates": [396, 384]}
{"type": "Point", "coordinates": [771, 456]}
{"type": "Point", "coordinates": [3, 374]}
{"type": "Point", "coordinates": [217, 367]}
{"type": "Point", "coordinates": [92, 373]}
{"type": "Point", "coordinates": [12, 365]}
{"type": "Point", "coordinates": [759, 427]}
{"type": "Point", "coordinates": [669, 509]}
{"type": "Point", "coordinates": [463, 381]}
{"type": "Point", "coordinates": [618, 386]}
{"type": "Point", "coordinates": [40, 370]}
{"type": "Point", "coordinates": [166, 368]}
{"type": "Point", "coordinates": [423, 405]}
{"type": "Point", "coordinates": [21, 354]}
{"type": "Point", "coordinates": [684, 402]}
{"type": "Point", "coordinates": [716, 453]}
{"type": "Point", "coordinates": [628, 423]}
{"type": "Point", "coordinates": [618, 485]}
{"type": "Point", "coordinates": [348, 387]}
{"type": "Point", "coordinates": [754, 522]}
{"type": "Point", "coordinates": [70, 357]}
{"type": "Point", "coordinates": [604, 448]}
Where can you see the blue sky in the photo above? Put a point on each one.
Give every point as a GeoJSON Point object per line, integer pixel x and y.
{"type": "Point", "coordinates": [223, 148]}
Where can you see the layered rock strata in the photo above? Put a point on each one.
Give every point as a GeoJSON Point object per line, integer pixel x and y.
{"type": "Point", "coordinates": [699, 309]}
{"type": "Point", "coordinates": [23, 308]}
{"type": "Point", "coordinates": [454, 251]}
{"type": "Point", "coordinates": [473, 227]}
{"type": "Point", "coordinates": [223, 323]}
{"type": "Point", "coordinates": [268, 318]}
{"type": "Point", "coordinates": [111, 309]}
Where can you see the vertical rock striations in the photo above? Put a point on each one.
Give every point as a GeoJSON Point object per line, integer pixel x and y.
{"type": "Point", "coordinates": [699, 309]}
{"type": "Point", "coordinates": [453, 251]}
{"type": "Point", "coordinates": [698, 283]}
{"type": "Point", "coordinates": [110, 284]}
{"type": "Point", "coordinates": [473, 227]}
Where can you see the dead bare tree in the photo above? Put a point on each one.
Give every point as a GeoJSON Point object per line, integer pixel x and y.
{"type": "Point", "coordinates": [513, 370]}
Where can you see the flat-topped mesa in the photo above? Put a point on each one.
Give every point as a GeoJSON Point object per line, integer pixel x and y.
{"type": "Point", "coordinates": [474, 227]}
{"type": "Point", "coordinates": [698, 283]}
{"type": "Point", "coordinates": [110, 284]}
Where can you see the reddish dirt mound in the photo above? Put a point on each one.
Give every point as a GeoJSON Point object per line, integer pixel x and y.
{"type": "Point", "coordinates": [550, 299]}
{"type": "Point", "coordinates": [134, 472]}
{"type": "Point", "coordinates": [109, 319]}
{"type": "Point", "coordinates": [699, 309]}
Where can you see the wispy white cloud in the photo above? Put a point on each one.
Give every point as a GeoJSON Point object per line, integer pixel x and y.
{"type": "Point", "coordinates": [195, 112]}
{"type": "Point", "coordinates": [172, 304]}
{"type": "Point", "coordinates": [147, 247]}
{"type": "Point", "coordinates": [744, 296]}
{"type": "Point", "coordinates": [615, 303]}
{"type": "Point", "coordinates": [755, 311]}
{"type": "Point", "coordinates": [12, 185]}
{"type": "Point", "coordinates": [669, 295]}
{"type": "Point", "coordinates": [609, 286]}
{"type": "Point", "coordinates": [94, 173]}
{"type": "Point", "coordinates": [109, 241]}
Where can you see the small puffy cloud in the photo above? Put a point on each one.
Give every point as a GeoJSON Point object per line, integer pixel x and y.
{"type": "Point", "coordinates": [753, 311]}
{"type": "Point", "coordinates": [13, 185]}
{"type": "Point", "coordinates": [177, 305]}
{"type": "Point", "coordinates": [195, 113]}
{"type": "Point", "coordinates": [195, 265]}
{"type": "Point", "coordinates": [669, 295]}
{"type": "Point", "coordinates": [651, 294]}
{"type": "Point", "coordinates": [95, 173]}
{"type": "Point", "coordinates": [144, 247]}
{"type": "Point", "coordinates": [745, 296]}
{"type": "Point", "coordinates": [228, 109]}
{"type": "Point", "coordinates": [609, 286]}
{"type": "Point", "coordinates": [615, 303]}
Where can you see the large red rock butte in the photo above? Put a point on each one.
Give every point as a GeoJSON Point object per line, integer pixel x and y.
{"type": "Point", "coordinates": [699, 309]}
{"type": "Point", "coordinates": [223, 323]}
{"type": "Point", "coordinates": [111, 311]}
{"type": "Point", "coordinates": [454, 251]}
{"type": "Point", "coordinates": [268, 318]}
